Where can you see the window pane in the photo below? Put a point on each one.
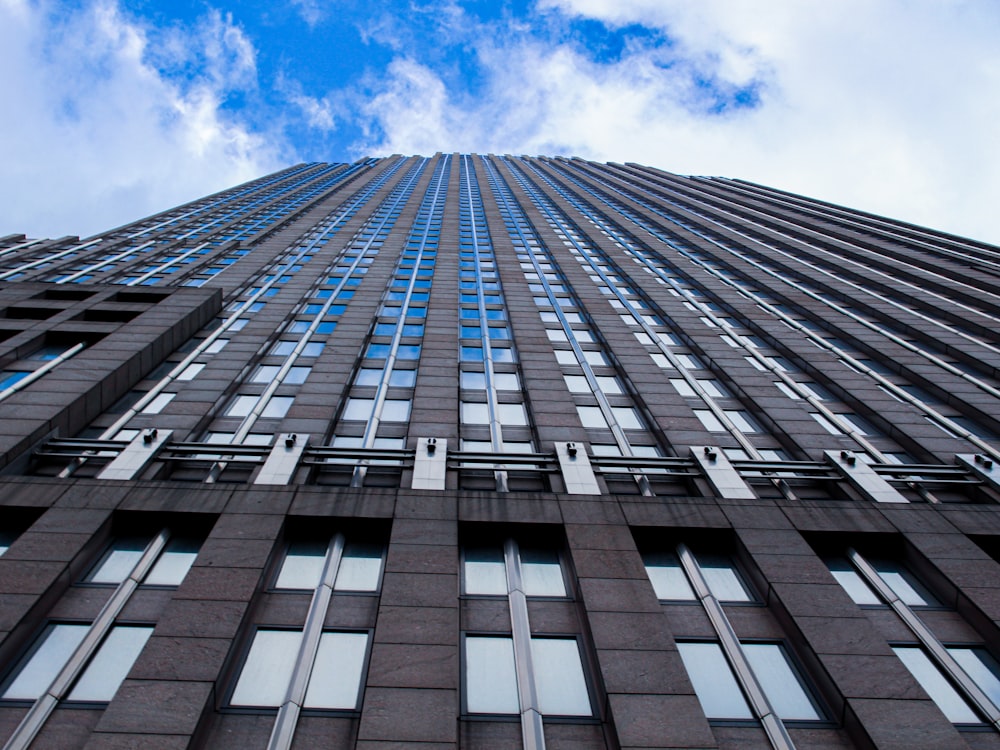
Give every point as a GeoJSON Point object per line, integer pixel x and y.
{"type": "Point", "coordinates": [490, 679]}
{"type": "Point", "coordinates": [709, 420]}
{"type": "Point", "coordinates": [277, 407]}
{"type": "Point", "coordinates": [158, 403]}
{"type": "Point", "coordinates": [668, 579]}
{"type": "Point", "coordinates": [559, 679]}
{"type": "Point", "coordinates": [591, 416]}
{"type": "Point", "coordinates": [512, 414]}
{"type": "Point", "coordinates": [506, 381]}
{"type": "Point", "coordinates": [359, 568]}
{"type": "Point", "coordinates": [403, 378]}
{"type": "Point", "coordinates": [111, 664]}
{"type": "Point", "coordinates": [723, 580]}
{"type": "Point", "coordinates": [173, 563]}
{"type": "Point", "coordinates": [54, 648]}
{"type": "Point", "coordinates": [296, 375]}
{"type": "Point", "coordinates": [779, 681]}
{"type": "Point", "coordinates": [626, 417]}
{"type": "Point", "coordinates": [336, 676]}
{"type": "Point", "coordinates": [368, 376]}
{"type": "Point", "coordinates": [119, 561]}
{"type": "Point", "coordinates": [904, 584]}
{"type": "Point", "coordinates": [395, 410]}
{"type": "Point", "coordinates": [268, 668]}
{"type": "Point", "coordinates": [302, 566]}
{"type": "Point", "coordinates": [359, 409]}
{"type": "Point", "coordinates": [937, 687]}
{"type": "Point", "coordinates": [475, 413]}
{"type": "Point", "coordinates": [242, 406]}
{"type": "Point", "coordinates": [265, 374]}
{"type": "Point", "coordinates": [484, 571]}
{"type": "Point", "coordinates": [853, 584]}
{"type": "Point", "coordinates": [577, 384]}
{"type": "Point", "coordinates": [717, 690]}
{"type": "Point", "coordinates": [981, 667]}
{"type": "Point", "coordinates": [541, 573]}
{"type": "Point", "coordinates": [474, 381]}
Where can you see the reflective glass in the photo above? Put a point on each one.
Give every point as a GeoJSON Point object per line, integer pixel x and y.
{"type": "Point", "coordinates": [714, 684]}
{"type": "Point", "coordinates": [904, 584]}
{"type": "Point", "coordinates": [559, 679]}
{"type": "Point", "coordinates": [484, 571]}
{"type": "Point", "coordinates": [474, 381]}
{"type": "Point", "coordinates": [173, 563]}
{"type": "Point", "coordinates": [403, 378]}
{"type": "Point", "coordinates": [302, 566]}
{"type": "Point", "coordinates": [852, 583]}
{"type": "Point", "coordinates": [265, 374]}
{"type": "Point", "coordinates": [667, 576]}
{"type": "Point", "coordinates": [512, 414]}
{"type": "Point", "coordinates": [296, 375]}
{"type": "Point", "coordinates": [360, 567]}
{"type": "Point", "coordinates": [783, 688]}
{"type": "Point", "coordinates": [490, 677]}
{"type": "Point", "coordinates": [277, 407]}
{"type": "Point", "coordinates": [395, 410]}
{"type": "Point", "coordinates": [475, 413]}
{"type": "Point", "coordinates": [591, 416]}
{"type": "Point", "coordinates": [242, 406]}
{"type": "Point", "coordinates": [335, 681]}
{"type": "Point", "coordinates": [268, 668]}
{"type": "Point", "coordinates": [541, 573]}
{"type": "Point", "coordinates": [118, 561]}
{"type": "Point", "coordinates": [43, 664]}
{"type": "Point", "coordinates": [111, 664]}
{"type": "Point", "coordinates": [722, 579]}
{"type": "Point", "coordinates": [936, 686]}
{"type": "Point", "coordinates": [158, 403]}
{"type": "Point", "coordinates": [981, 667]}
{"type": "Point", "coordinates": [359, 409]}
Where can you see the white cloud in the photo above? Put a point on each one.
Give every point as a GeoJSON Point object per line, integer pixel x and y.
{"type": "Point", "coordinates": [310, 10]}
{"type": "Point", "coordinates": [93, 134]}
{"type": "Point", "coordinates": [885, 105]}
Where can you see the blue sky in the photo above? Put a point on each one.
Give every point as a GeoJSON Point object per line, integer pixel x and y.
{"type": "Point", "coordinates": [114, 109]}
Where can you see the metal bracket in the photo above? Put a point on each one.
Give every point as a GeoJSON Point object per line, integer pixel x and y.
{"type": "Point", "coordinates": [863, 477]}
{"type": "Point", "coordinates": [283, 460]}
{"type": "Point", "coordinates": [982, 466]}
{"type": "Point", "coordinates": [430, 464]}
{"type": "Point", "coordinates": [577, 473]}
{"type": "Point", "coordinates": [137, 455]}
{"type": "Point", "coordinates": [726, 481]}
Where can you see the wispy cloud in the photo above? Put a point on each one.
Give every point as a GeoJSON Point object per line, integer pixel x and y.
{"type": "Point", "coordinates": [873, 103]}
{"type": "Point", "coordinates": [312, 11]}
{"type": "Point", "coordinates": [109, 123]}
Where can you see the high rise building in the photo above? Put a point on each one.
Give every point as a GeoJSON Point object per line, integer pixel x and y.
{"type": "Point", "coordinates": [500, 452]}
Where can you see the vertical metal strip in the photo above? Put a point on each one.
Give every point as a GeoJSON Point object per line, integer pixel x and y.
{"type": "Point", "coordinates": [531, 717]}
{"type": "Point", "coordinates": [761, 706]}
{"type": "Point", "coordinates": [288, 713]}
{"type": "Point", "coordinates": [42, 708]}
{"type": "Point", "coordinates": [928, 640]}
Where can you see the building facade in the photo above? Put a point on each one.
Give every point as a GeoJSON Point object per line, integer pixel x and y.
{"type": "Point", "coordinates": [500, 452]}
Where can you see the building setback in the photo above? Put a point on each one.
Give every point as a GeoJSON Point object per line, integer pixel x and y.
{"type": "Point", "coordinates": [500, 452]}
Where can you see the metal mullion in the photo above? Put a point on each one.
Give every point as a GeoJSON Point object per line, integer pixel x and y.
{"type": "Point", "coordinates": [251, 419]}
{"type": "Point", "coordinates": [496, 429]}
{"type": "Point", "coordinates": [692, 381]}
{"type": "Point", "coordinates": [36, 374]}
{"type": "Point", "coordinates": [775, 729]}
{"type": "Point", "coordinates": [381, 391]}
{"type": "Point", "coordinates": [43, 707]}
{"type": "Point", "coordinates": [818, 246]}
{"type": "Point", "coordinates": [532, 732]}
{"type": "Point", "coordinates": [159, 269]}
{"type": "Point", "coordinates": [47, 259]}
{"type": "Point", "coordinates": [109, 261]}
{"type": "Point", "coordinates": [288, 713]}
{"type": "Point", "coordinates": [928, 640]}
{"type": "Point", "coordinates": [602, 400]}
{"type": "Point", "coordinates": [927, 410]}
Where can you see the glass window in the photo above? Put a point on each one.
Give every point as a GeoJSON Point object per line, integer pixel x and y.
{"type": "Point", "coordinates": [713, 681]}
{"type": "Point", "coordinates": [682, 387]}
{"type": "Point", "coordinates": [626, 417]}
{"type": "Point", "coordinates": [118, 562]}
{"type": "Point", "coordinates": [296, 375]}
{"type": "Point", "coordinates": [242, 406]}
{"type": "Point", "coordinates": [591, 416]}
{"type": "Point", "coordinates": [484, 571]}
{"type": "Point", "coordinates": [595, 358]}
{"type": "Point", "coordinates": [577, 383]}
{"type": "Point", "coordinates": [506, 381]}
{"type": "Point", "coordinates": [335, 681]}
{"type": "Point", "coordinates": [368, 376]}
{"type": "Point", "coordinates": [667, 576]}
{"type": "Point", "coordinates": [395, 410]}
{"type": "Point", "coordinates": [981, 667]}
{"type": "Point", "coordinates": [780, 682]}
{"type": "Point", "coordinates": [904, 583]}
{"type": "Point", "coordinates": [474, 381]}
{"type": "Point", "coordinates": [283, 348]}
{"type": "Point", "coordinates": [403, 378]}
{"type": "Point", "coordinates": [111, 664]}
{"type": "Point", "coordinates": [265, 374]}
{"type": "Point", "coordinates": [191, 371]}
{"type": "Point", "coordinates": [268, 668]}
{"type": "Point", "coordinates": [855, 586]}
{"type": "Point", "coordinates": [475, 413]}
{"type": "Point", "coordinates": [565, 357]}
{"type": "Point", "coordinates": [359, 409]}
{"type": "Point", "coordinates": [277, 407]}
{"type": "Point", "coordinates": [173, 563]}
{"type": "Point", "coordinates": [559, 680]}
{"type": "Point", "coordinates": [709, 420]}
{"type": "Point", "coordinates": [512, 414]}
{"type": "Point", "coordinates": [43, 663]}
{"type": "Point", "coordinates": [541, 573]}
{"type": "Point", "coordinates": [216, 346]}
{"type": "Point", "coordinates": [158, 403]}
{"type": "Point", "coordinates": [936, 686]}
{"type": "Point", "coordinates": [313, 349]}
{"type": "Point", "coordinates": [609, 385]}
{"type": "Point", "coordinates": [490, 676]}
{"type": "Point", "coordinates": [742, 420]}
